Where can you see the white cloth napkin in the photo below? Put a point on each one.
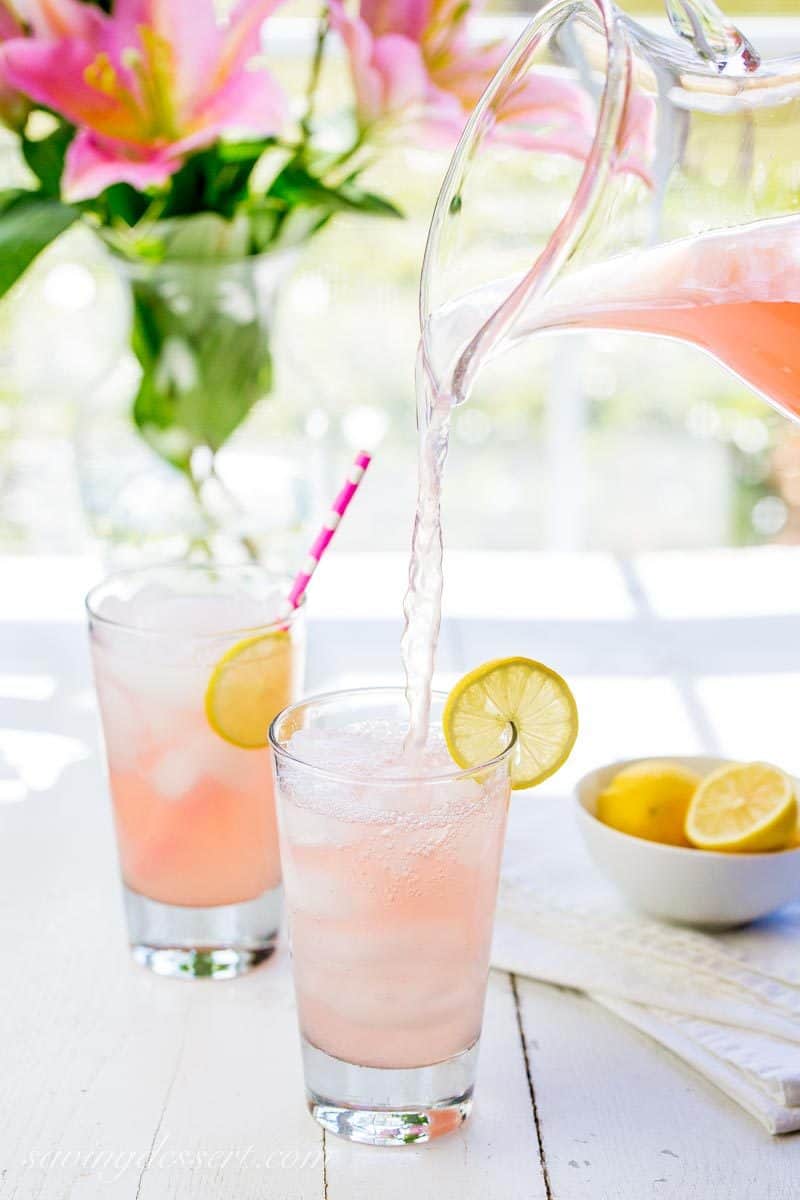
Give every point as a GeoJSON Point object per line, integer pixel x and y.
{"type": "Point", "coordinates": [728, 1004]}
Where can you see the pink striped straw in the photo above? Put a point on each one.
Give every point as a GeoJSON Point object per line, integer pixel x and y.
{"type": "Point", "coordinates": [323, 538]}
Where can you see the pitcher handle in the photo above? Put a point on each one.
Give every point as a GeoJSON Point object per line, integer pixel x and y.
{"type": "Point", "coordinates": [714, 37]}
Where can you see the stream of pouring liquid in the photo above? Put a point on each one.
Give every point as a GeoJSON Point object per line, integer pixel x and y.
{"type": "Point", "coordinates": [734, 293]}
{"type": "Point", "coordinates": [422, 607]}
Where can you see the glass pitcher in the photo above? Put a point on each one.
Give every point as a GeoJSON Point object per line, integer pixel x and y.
{"type": "Point", "coordinates": [612, 178]}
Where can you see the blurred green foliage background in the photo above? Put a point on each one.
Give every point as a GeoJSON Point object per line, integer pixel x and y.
{"type": "Point", "coordinates": [660, 446]}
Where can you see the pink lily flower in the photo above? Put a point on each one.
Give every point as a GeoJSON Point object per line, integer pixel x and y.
{"type": "Point", "coordinates": [414, 60]}
{"type": "Point", "coordinates": [13, 107]}
{"type": "Point", "coordinates": [145, 86]}
{"type": "Point", "coordinates": [388, 71]}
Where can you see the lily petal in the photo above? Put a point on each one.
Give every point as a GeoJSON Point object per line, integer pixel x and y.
{"type": "Point", "coordinates": [408, 17]}
{"type": "Point", "coordinates": [400, 65]}
{"type": "Point", "coordinates": [132, 12]}
{"type": "Point", "coordinates": [122, 29]}
{"type": "Point", "coordinates": [444, 118]}
{"type": "Point", "coordinates": [541, 92]}
{"type": "Point", "coordinates": [9, 25]}
{"type": "Point", "coordinates": [357, 39]}
{"type": "Point", "coordinates": [63, 18]}
{"type": "Point", "coordinates": [53, 74]}
{"type": "Point", "coordinates": [195, 36]}
{"type": "Point", "coordinates": [92, 166]}
{"type": "Point", "coordinates": [388, 72]}
{"type": "Point", "coordinates": [243, 35]}
{"type": "Point", "coordinates": [248, 101]}
{"type": "Point", "coordinates": [547, 114]}
{"type": "Point", "coordinates": [14, 107]}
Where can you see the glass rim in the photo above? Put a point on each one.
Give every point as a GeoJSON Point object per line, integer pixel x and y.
{"type": "Point", "coordinates": [395, 781]}
{"type": "Point", "coordinates": [139, 268]}
{"type": "Point", "coordinates": [277, 577]}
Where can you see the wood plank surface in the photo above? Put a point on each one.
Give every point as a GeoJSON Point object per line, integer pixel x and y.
{"type": "Point", "coordinates": [622, 1120]}
{"type": "Point", "coordinates": [121, 1086]}
{"type": "Point", "coordinates": [495, 1154]}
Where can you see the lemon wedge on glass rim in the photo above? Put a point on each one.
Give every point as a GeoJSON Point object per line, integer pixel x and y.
{"type": "Point", "coordinates": [520, 692]}
{"type": "Point", "coordinates": [250, 684]}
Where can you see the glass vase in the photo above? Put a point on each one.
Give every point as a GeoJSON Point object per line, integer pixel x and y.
{"type": "Point", "coordinates": [171, 458]}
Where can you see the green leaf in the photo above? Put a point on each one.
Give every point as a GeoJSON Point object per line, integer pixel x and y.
{"type": "Point", "coordinates": [200, 376]}
{"type": "Point", "coordinates": [369, 202]}
{"type": "Point", "coordinates": [28, 224]}
{"type": "Point", "coordinates": [120, 204]}
{"type": "Point", "coordinates": [244, 151]}
{"type": "Point", "coordinates": [46, 156]}
{"type": "Point", "coordinates": [265, 218]}
{"type": "Point", "coordinates": [215, 180]}
{"type": "Point", "coordinates": [297, 187]}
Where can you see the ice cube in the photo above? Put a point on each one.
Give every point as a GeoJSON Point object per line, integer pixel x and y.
{"type": "Point", "coordinates": [306, 825]}
{"type": "Point", "coordinates": [177, 771]}
{"type": "Point", "coordinates": [370, 750]}
{"type": "Point", "coordinates": [194, 754]}
{"type": "Point", "coordinates": [320, 892]}
{"type": "Point", "coordinates": [330, 750]}
{"type": "Point", "coordinates": [194, 603]}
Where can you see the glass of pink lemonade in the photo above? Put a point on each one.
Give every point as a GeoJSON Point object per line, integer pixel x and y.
{"type": "Point", "coordinates": [391, 861]}
{"type": "Point", "coordinates": [194, 810]}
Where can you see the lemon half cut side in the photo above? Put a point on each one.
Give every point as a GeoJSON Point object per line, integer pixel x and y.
{"type": "Point", "coordinates": [743, 808]}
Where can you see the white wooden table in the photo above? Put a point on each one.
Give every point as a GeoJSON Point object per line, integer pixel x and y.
{"type": "Point", "coordinates": [114, 1083]}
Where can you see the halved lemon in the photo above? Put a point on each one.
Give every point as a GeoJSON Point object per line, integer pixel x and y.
{"type": "Point", "coordinates": [249, 686]}
{"type": "Point", "coordinates": [743, 807]}
{"type": "Point", "coordinates": [484, 705]}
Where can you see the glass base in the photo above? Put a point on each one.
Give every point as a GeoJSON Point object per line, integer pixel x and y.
{"type": "Point", "coordinates": [216, 943]}
{"type": "Point", "coordinates": [389, 1107]}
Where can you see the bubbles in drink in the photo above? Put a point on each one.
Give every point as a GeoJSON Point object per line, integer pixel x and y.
{"type": "Point", "coordinates": [391, 864]}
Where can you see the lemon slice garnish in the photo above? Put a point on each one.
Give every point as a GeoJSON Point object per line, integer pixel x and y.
{"type": "Point", "coordinates": [484, 705]}
{"type": "Point", "coordinates": [249, 686]}
{"type": "Point", "coordinates": [743, 807]}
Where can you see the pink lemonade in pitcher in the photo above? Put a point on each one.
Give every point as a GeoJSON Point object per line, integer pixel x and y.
{"type": "Point", "coordinates": [734, 293]}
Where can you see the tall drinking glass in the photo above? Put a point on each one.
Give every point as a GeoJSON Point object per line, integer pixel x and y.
{"type": "Point", "coordinates": [191, 664]}
{"type": "Point", "coordinates": [391, 866]}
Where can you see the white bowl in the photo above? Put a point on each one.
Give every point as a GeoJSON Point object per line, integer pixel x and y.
{"type": "Point", "coordinates": [675, 883]}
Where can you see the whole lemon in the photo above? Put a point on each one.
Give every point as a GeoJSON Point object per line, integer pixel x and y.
{"type": "Point", "coordinates": [649, 800]}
